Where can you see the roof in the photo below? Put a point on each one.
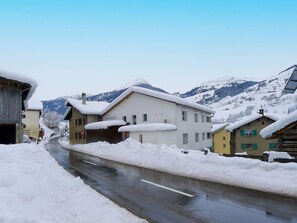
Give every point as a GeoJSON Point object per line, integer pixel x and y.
{"type": "Point", "coordinates": [150, 127]}
{"type": "Point", "coordinates": [35, 105]}
{"type": "Point", "coordinates": [90, 108]}
{"type": "Point", "coordinates": [104, 124]}
{"type": "Point", "coordinates": [279, 125]}
{"type": "Point", "coordinates": [218, 127]}
{"type": "Point", "coordinates": [291, 85]}
{"type": "Point", "coordinates": [156, 94]}
{"type": "Point", "coordinates": [247, 120]}
{"type": "Point", "coordinates": [27, 93]}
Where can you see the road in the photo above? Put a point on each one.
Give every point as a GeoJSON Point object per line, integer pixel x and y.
{"type": "Point", "coordinates": [160, 197]}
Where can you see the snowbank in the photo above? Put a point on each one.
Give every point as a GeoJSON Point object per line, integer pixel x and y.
{"type": "Point", "coordinates": [272, 155]}
{"type": "Point", "coordinates": [247, 173]}
{"type": "Point", "coordinates": [34, 188]}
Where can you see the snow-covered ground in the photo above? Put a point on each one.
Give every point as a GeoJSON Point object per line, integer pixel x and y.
{"type": "Point", "coordinates": [242, 172]}
{"type": "Point", "coordinates": [34, 188]}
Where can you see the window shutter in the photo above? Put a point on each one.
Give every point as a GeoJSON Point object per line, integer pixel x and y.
{"type": "Point", "coordinates": [255, 146]}
{"type": "Point", "coordinates": [242, 132]}
{"type": "Point", "coordinates": [242, 146]}
{"type": "Point", "coordinates": [254, 132]}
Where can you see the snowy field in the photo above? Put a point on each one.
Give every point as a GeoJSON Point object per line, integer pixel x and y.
{"type": "Point", "coordinates": [34, 188]}
{"type": "Point", "coordinates": [246, 173]}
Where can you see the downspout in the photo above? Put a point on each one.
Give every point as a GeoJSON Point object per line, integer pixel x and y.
{"type": "Point", "coordinates": [21, 115]}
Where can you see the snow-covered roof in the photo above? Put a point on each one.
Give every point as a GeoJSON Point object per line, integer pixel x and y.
{"type": "Point", "coordinates": [217, 127]}
{"type": "Point", "coordinates": [150, 127]}
{"type": "Point", "coordinates": [159, 95]}
{"type": "Point", "coordinates": [21, 79]}
{"type": "Point", "coordinates": [90, 108]}
{"type": "Point", "coordinates": [104, 124]}
{"type": "Point", "coordinates": [278, 125]}
{"type": "Point", "coordinates": [247, 120]}
{"type": "Point", "coordinates": [35, 105]}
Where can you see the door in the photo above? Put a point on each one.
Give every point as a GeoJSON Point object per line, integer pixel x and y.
{"type": "Point", "coordinates": [7, 133]}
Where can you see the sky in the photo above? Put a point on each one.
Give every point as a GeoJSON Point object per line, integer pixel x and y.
{"type": "Point", "coordinates": [95, 46]}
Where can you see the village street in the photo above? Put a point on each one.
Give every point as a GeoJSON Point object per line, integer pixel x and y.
{"type": "Point", "coordinates": [160, 197]}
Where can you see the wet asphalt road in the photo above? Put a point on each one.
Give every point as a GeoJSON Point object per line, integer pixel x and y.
{"type": "Point", "coordinates": [160, 197]}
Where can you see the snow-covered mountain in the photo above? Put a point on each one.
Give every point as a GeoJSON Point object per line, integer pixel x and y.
{"type": "Point", "coordinates": [213, 91]}
{"type": "Point", "coordinates": [265, 95]}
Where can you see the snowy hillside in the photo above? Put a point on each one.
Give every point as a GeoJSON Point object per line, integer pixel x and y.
{"type": "Point", "coordinates": [213, 91]}
{"type": "Point", "coordinates": [266, 94]}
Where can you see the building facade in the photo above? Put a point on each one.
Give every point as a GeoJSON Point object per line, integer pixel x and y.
{"type": "Point", "coordinates": [156, 117]}
{"type": "Point", "coordinates": [245, 136]}
{"type": "Point", "coordinates": [79, 114]}
{"type": "Point", "coordinates": [221, 140]}
{"type": "Point", "coordinates": [15, 90]}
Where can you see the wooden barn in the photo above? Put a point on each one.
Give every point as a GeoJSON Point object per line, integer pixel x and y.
{"type": "Point", "coordinates": [15, 91]}
{"type": "Point", "coordinates": [285, 131]}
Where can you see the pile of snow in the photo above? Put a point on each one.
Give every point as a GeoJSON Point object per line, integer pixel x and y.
{"type": "Point", "coordinates": [104, 124]}
{"type": "Point", "coordinates": [246, 173]}
{"type": "Point", "coordinates": [34, 188]}
{"type": "Point", "coordinates": [277, 155]}
{"type": "Point", "coordinates": [150, 127]}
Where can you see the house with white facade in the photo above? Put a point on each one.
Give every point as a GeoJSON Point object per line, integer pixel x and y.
{"type": "Point", "coordinates": [161, 118]}
{"type": "Point", "coordinates": [30, 119]}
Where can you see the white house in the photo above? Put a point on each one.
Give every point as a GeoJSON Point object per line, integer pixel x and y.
{"type": "Point", "coordinates": [30, 119]}
{"type": "Point", "coordinates": [158, 118]}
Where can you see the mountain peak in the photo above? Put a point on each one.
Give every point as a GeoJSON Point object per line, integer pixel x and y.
{"type": "Point", "coordinates": [136, 82]}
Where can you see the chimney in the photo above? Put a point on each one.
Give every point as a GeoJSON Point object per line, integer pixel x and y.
{"type": "Point", "coordinates": [84, 98]}
{"type": "Point", "coordinates": [261, 111]}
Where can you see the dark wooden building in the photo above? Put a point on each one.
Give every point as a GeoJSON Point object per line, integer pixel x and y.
{"type": "Point", "coordinates": [15, 90]}
{"type": "Point", "coordinates": [285, 131]}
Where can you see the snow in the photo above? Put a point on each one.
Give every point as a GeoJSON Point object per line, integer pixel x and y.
{"type": "Point", "coordinates": [275, 155]}
{"type": "Point", "coordinates": [22, 79]}
{"type": "Point", "coordinates": [279, 178]}
{"type": "Point", "coordinates": [34, 188]}
{"type": "Point", "coordinates": [34, 105]}
{"type": "Point", "coordinates": [137, 81]}
{"type": "Point", "coordinates": [150, 127]}
{"type": "Point", "coordinates": [159, 95]}
{"type": "Point", "coordinates": [217, 127]}
{"type": "Point", "coordinates": [90, 108]}
{"type": "Point", "coordinates": [104, 124]}
{"type": "Point", "coordinates": [279, 124]}
{"type": "Point", "coordinates": [247, 120]}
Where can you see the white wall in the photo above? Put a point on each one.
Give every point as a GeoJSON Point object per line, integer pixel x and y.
{"type": "Point", "coordinates": [157, 111]}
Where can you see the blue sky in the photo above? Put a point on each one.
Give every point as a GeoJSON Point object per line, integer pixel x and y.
{"type": "Point", "coordinates": [93, 46]}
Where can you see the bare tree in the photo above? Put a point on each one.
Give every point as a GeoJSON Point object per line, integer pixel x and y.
{"type": "Point", "coordinates": [52, 119]}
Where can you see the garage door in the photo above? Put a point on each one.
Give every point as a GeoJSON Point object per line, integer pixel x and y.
{"type": "Point", "coordinates": [8, 134]}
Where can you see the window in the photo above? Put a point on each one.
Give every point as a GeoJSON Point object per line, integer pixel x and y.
{"type": "Point", "coordinates": [248, 132]}
{"type": "Point", "coordinates": [144, 117]}
{"type": "Point", "coordinates": [185, 138]}
{"type": "Point", "coordinates": [184, 115]}
{"type": "Point", "coordinates": [249, 146]}
{"type": "Point", "coordinates": [24, 126]}
{"type": "Point", "coordinates": [224, 138]}
{"type": "Point", "coordinates": [23, 116]}
{"type": "Point", "coordinates": [224, 145]}
{"type": "Point", "coordinates": [196, 117]}
{"type": "Point", "coordinates": [202, 117]}
{"type": "Point", "coordinates": [124, 118]}
{"type": "Point", "coordinates": [197, 137]}
{"type": "Point", "coordinates": [203, 136]}
{"type": "Point", "coordinates": [208, 118]}
{"type": "Point", "coordinates": [272, 146]}
{"type": "Point", "coordinates": [134, 119]}
{"type": "Point", "coordinates": [208, 135]}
